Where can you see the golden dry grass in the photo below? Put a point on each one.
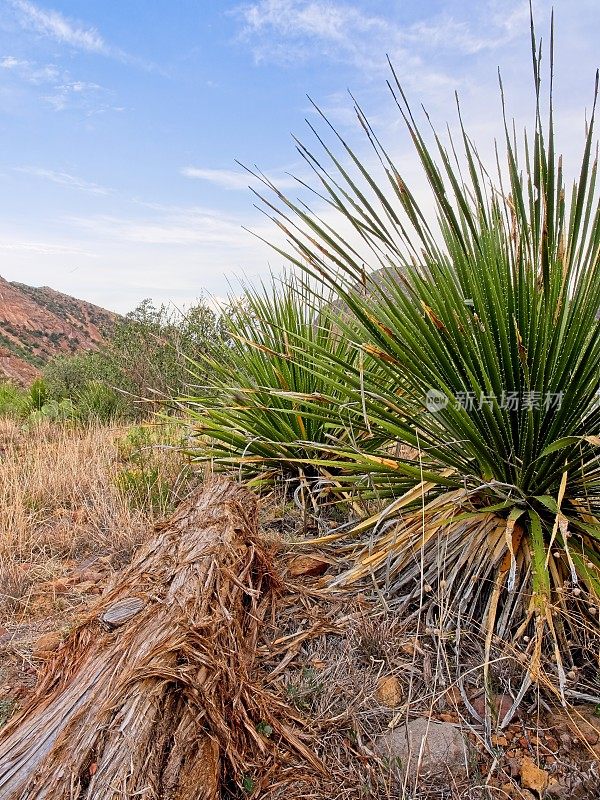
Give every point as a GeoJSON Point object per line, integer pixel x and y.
{"type": "Point", "coordinates": [166, 705]}
{"type": "Point", "coordinates": [62, 503]}
{"type": "Point", "coordinates": [62, 507]}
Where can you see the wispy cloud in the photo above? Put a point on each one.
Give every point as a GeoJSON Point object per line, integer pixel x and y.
{"type": "Point", "coordinates": [64, 179]}
{"type": "Point", "coordinates": [42, 248]}
{"type": "Point", "coordinates": [233, 179]}
{"type": "Point", "coordinates": [58, 27]}
{"type": "Point", "coordinates": [65, 94]}
{"type": "Point", "coordinates": [288, 30]}
{"type": "Point", "coordinates": [31, 71]}
{"type": "Point", "coordinates": [77, 35]}
{"type": "Point", "coordinates": [59, 88]}
{"type": "Point", "coordinates": [167, 226]}
{"type": "Point", "coordinates": [10, 62]}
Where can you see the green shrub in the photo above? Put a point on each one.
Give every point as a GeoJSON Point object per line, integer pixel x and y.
{"type": "Point", "coordinates": [266, 408]}
{"type": "Point", "coordinates": [53, 411]}
{"type": "Point", "coordinates": [150, 476]}
{"type": "Point", "coordinates": [14, 401]}
{"type": "Point", "coordinates": [145, 488]}
{"type": "Point", "coordinates": [68, 376]}
{"type": "Point", "coordinates": [486, 342]}
{"type": "Point", "coordinates": [152, 346]}
{"type": "Point", "coordinates": [38, 392]}
{"type": "Point", "coordinates": [101, 403]}
{"type": "Point", "coordinates": [145, 361]}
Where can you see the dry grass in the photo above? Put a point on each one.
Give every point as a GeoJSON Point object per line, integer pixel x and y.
{"type": "Point", "coordinates": [64, 509]}
{"type": "Point", "coordinates": [165, 705]}
{"type": "Point", "coordinates": [62, 503]}
{"type": "Point", "coordinates": [334, 676]}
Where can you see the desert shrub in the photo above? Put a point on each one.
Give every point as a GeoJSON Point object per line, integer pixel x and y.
{"type": "Point", "coordinates": [145, 488]}
{"type": "Point", "coordinates": [33, 405]}
{"type": "Point", "coordinates": [14, 401]}
{"type": "Point", "coordinates": [266, 408]}
{"type": "Point", "coordinates": [485, 336]}
{"type": "Point", "coordinates": [152, 346]}
{"type": "Point", "coordinates": [145, 361]}
{"type": "Point", "coordinates": [52, 411]}
{"type": "Point", "coordinates": [38, 392]}
{"type": "Point", "coordinates": [101, 403]}
{"type": "Point", "coordinates": [67, 376]}
{"type": "Point", "coordinates": [152, 474]}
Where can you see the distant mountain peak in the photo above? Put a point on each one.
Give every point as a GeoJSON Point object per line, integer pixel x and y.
{"type": "Point", "coordinates": [39, 323]}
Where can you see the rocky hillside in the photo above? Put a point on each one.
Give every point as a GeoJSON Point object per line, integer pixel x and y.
{"type": "Point", "coordinates": [38, 323]}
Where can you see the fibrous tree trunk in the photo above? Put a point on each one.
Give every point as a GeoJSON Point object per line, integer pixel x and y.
{"type": "Point", "coordinates": [152, 696]}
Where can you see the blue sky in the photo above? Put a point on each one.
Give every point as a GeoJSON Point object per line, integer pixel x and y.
{"type": "Point", "coordinates": [120, 123]}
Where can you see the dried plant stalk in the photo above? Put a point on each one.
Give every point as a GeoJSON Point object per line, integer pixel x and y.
{"type": "Point", "coordinates": [152, 695]}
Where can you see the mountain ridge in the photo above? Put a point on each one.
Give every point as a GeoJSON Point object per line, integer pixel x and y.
{"type": "Point", "coordinates": [40, 323]}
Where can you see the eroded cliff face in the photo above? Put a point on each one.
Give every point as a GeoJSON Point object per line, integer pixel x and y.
{"type": "Point", "coordinates": [38, 323]}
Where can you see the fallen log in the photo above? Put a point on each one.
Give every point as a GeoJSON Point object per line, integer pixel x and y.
{"type": "Point", "coordinates": [152, 695]}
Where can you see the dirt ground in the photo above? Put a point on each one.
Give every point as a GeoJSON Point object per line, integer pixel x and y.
{"type": "Point", "coordinates": [346, 664]}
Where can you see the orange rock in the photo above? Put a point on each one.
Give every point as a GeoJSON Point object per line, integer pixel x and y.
{"type": "Point", "coordinates": [513, 792]}
{"type": "Point", "coordinates": [47, 643]}
{"type": "Point", "coordinates": [532, 777]}
{"type": "Point", "coordinates": [389, 691]}
{"type": "Point", "coordinates": [453, 696]}
{"type": "Point", "coordinates": [307, 565]}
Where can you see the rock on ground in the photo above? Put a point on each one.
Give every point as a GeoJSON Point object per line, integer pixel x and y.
{"type": "Point", "coordinates": [424, 746]}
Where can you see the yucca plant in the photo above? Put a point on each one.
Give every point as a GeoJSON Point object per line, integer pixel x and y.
{"type": "Point", "coordinates": [267, 409]}
{"type": "Point", "coordinates": [486, 327]}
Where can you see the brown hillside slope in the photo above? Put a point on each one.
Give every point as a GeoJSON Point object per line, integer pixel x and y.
{"type": "Point", "coordinates": [37, 324]}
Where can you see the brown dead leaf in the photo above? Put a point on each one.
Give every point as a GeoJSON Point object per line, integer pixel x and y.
{"type": "Point", "coordinates": [433, 317]}
{"type": "Point", "coordinates": [307, 565]}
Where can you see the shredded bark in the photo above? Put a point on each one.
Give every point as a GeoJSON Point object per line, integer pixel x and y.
{"type": "Point", "coordinates": [153, 695]}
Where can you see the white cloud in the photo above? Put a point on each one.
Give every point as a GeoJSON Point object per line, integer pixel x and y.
{"type": "Point", "coordinates": [77, 35]}
{"type": "Point", "coordinates": [323, 20]}
{"type": "Point", "coordinates": [169, 253]}
{"type": "Point", "coordinates": [31, 71]}
{"type": "Point", "coordinates": [83, 93]}
{"type": "Point", "coordinates": [290, 30]}
{"type": "Point", "coordinates": [42, 248]}
{"type": "Point", "coordinates": [233, 179]}
{"type": "Point", "coordinates": [167, 226]}
{"type": "Point", "coordinates": [226, 178]}
{"type": "Point", "coordinates": [58, 27]}
{"type": "Point", "coordinates": [59, 89]}
{"type": "Point", "coordinates": [10, 62]}
{"type": "Point", "coordinates": [64, 179]}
